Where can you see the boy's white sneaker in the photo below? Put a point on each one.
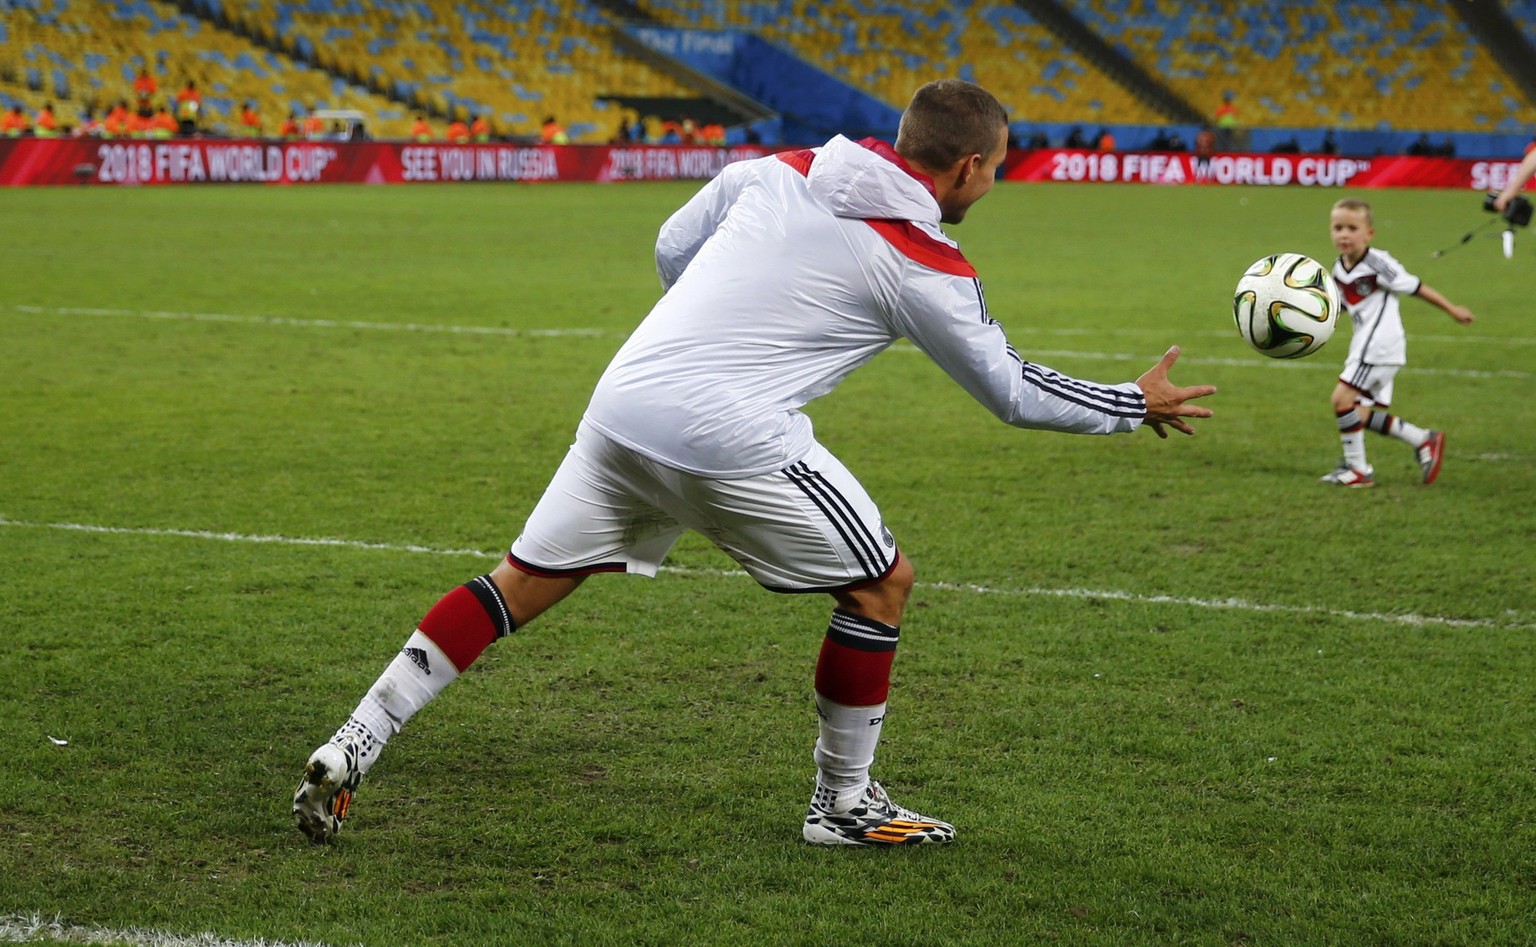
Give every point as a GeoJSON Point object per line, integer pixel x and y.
{"type": "Point", "coordinates": [1346, 476]}
{"type": "Point", "coordinates": [1430, 454]}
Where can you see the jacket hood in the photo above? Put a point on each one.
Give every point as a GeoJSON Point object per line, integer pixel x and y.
{"type": "Point", "coordinates": [869, 181]}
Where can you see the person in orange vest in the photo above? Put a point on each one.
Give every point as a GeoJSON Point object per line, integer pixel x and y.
{"type": "Point", "coordinates": [458, 132]}
{"type": "Point", "coordinates": [420, 130]}
{"type": "Point", "coordinates": [189, 105]}
{"type": "Point", "coordinates": [14, 124]}
{"type": "Point", "coordinates": [553, 133]}
{"type": "Point", "coordinates": [115, 125]}
{"type": "Point", "coordinates": [144, 89]}
{"type": "Point", "coordinates": [480, 129]}
{"type": "Point", "coordinates": [314, 126]}
{"type": "Point", "coordinates": [44, 125]}
{"type": "Point", "coordinates": [250, 121]}
{"type": "Point", "coordinates": [139, 124]}
{"type": "Point", "coordinates": [163, 124]}
{"type": "Point", "coordinates": [713, 134]}
{"type": "Point", "coordinates": [289, 128]}
{"type": "Point", "coordinates": [1106, 140]}
{"type": "Point", "coordinates": [1227, 120]}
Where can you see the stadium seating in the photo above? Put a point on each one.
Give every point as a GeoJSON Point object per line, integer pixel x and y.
{"type": "Point", "coordinates": [1311, 64]}
{"type": "Point", "coordinates": [87, 53]}
{"type": "Point", "coordinates": [1523, 12]}
{"type": "Point", "coordinates": [513, 63]}
{"type": "Point", "coordinates": [887, 49]}
{"type": "Point", "coordinates": [1351, 64]}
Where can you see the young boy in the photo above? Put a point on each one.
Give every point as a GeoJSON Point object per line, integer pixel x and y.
{"type": "Point", "coordinates": [1369, 281]}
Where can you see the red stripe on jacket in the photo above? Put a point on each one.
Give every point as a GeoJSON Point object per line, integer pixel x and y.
{"type": "Point", "coordinates": [908, 238]}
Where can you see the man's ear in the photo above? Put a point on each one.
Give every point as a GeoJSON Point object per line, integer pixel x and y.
{"type": "Point", "coordinates": [966, 167]}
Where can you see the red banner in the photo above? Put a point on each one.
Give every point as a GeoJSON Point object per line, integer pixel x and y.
{"type": "Point", "coordinates": [26, 161]}
{"type": "Point", "coordinates": [1156, 167]}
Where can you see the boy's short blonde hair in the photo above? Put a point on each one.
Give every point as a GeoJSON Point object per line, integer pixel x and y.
{"type": "Point", "coordinates": [1355, 203]}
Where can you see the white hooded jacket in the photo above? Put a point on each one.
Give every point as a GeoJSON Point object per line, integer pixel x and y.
{"type": "Point", "coordinates": [782, 276]}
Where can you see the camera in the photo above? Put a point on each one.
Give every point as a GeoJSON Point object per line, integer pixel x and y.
{"type": "Point", "coordinates": [1518, 213]}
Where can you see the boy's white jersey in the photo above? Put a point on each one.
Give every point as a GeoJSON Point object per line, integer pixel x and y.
{"type": "Point", "coordinates": [782, 276]}
{"type": "Point", "coordinates": [1369, 289]}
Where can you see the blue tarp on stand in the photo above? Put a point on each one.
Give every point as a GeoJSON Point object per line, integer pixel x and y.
{"type": "Point", "coordinates": [814, 105]}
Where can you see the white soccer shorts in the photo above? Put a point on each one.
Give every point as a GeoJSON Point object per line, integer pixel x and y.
{"type": "Point", "coordinates": [808, 528]}
{"type": "Point", "coordinates": [1373, 381]}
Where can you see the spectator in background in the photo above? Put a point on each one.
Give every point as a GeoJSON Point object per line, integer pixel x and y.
{"type": "Point", "coordinates": [480, 129]}
{"type": "Point", "coordinates": [290, 127]}
{"type": "Point", "coordinates": [15, 124]}
{"type": "Point", "coordinates": [250, 120]}
{"type": "Point", "coordinates": [1329, 146]}
{"type": "Point", "coordinates": [115, 125]}
{"type": "Point", "coordinates": [139, 124]}
{"type": "Point", "coordinates": [1106, 140]}
{"type": "Point", "coordinates": [420, 130]}
{"type": "Point", "coordinates": [553, 133]}
{"type": "Point", "coordinates": [1037, 140]}
{"type": "Point", "coordinates": [1205, 143]}
{"type": "Point", "coordinates": [44, 125]}
{"type": "Point", "coordinates": [1227, 121]}
{"type": "Point", "coordinates": [90, 125]}
{"type": "Point", "coordinates": [621, 136]}
{"type": "Point", "coordinates": [713, 134]}
{"type": "Point", "coordinates": [458, 132]}
{"type": "Point", "coordinates": [1075, 139]}
{"type": "Point", "coordinates": [189, 107]}
{"type": "Point", "coordinates": [163, 124]}
{"type": "Point", "coordinates": [144, 89]}
{"type": "Point", "coordinates": [1421, 146]}
{"type": "Point", "coordinates": [314, 126]}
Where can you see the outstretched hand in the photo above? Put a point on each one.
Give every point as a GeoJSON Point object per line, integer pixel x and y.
{"type": "Point", "coordinates": [1166, 401]}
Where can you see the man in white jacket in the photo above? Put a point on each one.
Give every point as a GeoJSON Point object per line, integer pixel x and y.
{"type": "Point", "coordinates": [782, 276]}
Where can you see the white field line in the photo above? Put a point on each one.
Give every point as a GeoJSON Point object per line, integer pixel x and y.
{"type": "Point", "coordinates": [24, 929]}
{"type": "Point", "coordinates": [1514, 622]}
{"type": "Point", "coordinates": [1313, 364]}
{"type": "Point", "coordinates": [312, 323]}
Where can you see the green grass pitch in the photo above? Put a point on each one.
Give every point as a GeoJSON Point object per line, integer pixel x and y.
{"type": "Point", "coordinates": [1168, 691]}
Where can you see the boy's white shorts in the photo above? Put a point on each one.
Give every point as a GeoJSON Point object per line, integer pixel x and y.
{"type": "Point", "coordinates": [1373, 381]}
{"type": "Point", "coordinates": [808, 528]}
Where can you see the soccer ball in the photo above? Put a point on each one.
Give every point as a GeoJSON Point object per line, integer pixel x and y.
{"type": "Point", "coordinates": [1286, 305]}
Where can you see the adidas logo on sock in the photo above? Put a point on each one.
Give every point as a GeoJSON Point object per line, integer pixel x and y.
{"type": "Point", "coordinates": [418, 657]}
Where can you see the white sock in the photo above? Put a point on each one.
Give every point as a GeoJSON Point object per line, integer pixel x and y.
{"type": "Point", "coordinates": [1412, 433]}
{"type": "Point", "coordinates": [417, 674]}
{"type": "Point", "coordinates": [1394, 426]}
{"type": "Point", "coordinates": [845, 750]}
{"type": "Point", "coordinates": [1354, 450]}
